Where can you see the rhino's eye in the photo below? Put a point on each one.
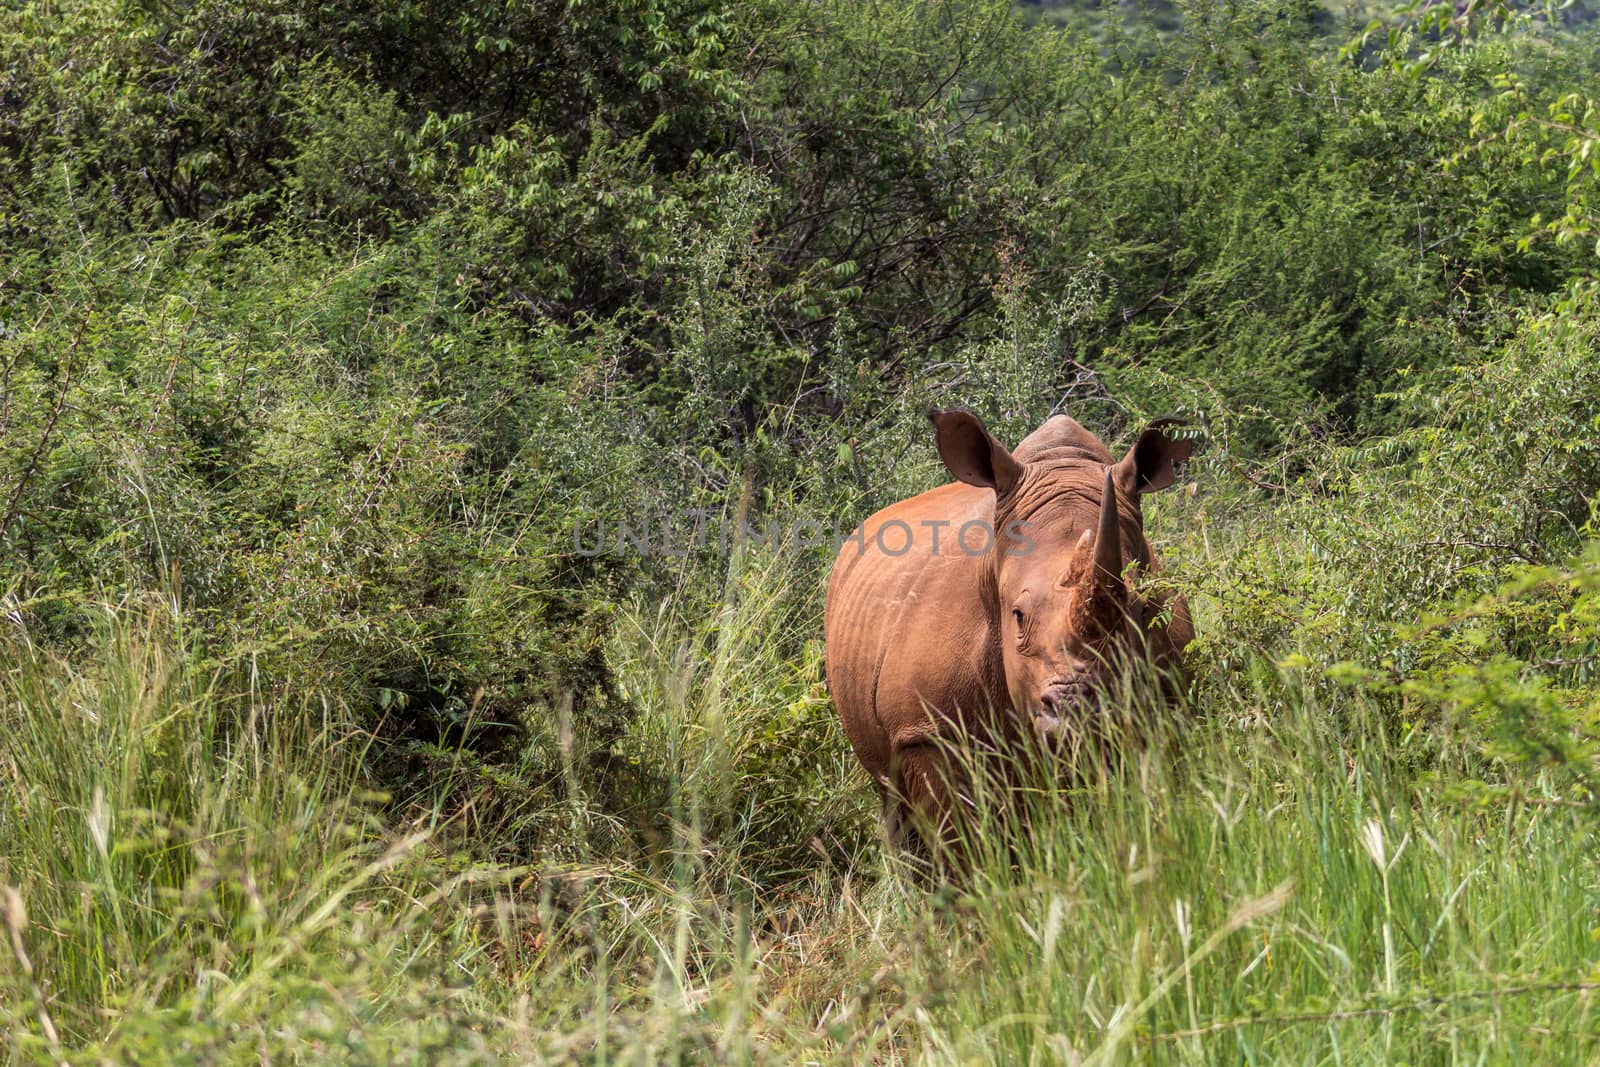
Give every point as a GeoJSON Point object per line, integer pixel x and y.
{"type": "Point", "coordinates": [1016, 614]}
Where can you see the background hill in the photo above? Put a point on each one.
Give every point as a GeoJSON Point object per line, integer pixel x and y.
{"type": "Point", "coordinates": [1336, 19]}
{"type": "Point", "coordinates": [332, 335]}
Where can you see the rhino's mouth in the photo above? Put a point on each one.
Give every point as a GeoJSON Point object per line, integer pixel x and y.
{"type": "Point", "coordinates": [1060, 699]}
{"type": "Point", "coordinates": [1047, 726]}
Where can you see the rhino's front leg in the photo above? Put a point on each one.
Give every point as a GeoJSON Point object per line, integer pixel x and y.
{"type": "Point", "coordinates": [924, 795]}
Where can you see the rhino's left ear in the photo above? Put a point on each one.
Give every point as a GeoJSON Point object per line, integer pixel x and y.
{"type": "Point", "coordinates": [1148, 466]}
{"type": "Point", "coordinates": [972, 454]}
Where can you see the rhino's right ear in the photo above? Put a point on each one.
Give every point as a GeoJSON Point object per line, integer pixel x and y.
{"type": "Point", "coordinates": [1148, 466]}
{"type": "Point", "coordinates": [971, 454]}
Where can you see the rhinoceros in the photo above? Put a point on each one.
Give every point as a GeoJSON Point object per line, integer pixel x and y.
{"type": "Point", "coordinates": [999, 607]}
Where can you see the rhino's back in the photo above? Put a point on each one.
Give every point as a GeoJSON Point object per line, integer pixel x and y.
{"type": "Point", "coordinates": [906, 631]}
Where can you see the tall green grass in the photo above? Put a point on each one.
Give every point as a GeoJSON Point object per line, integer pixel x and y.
{"type": "Point", "coordinates": [1268, 881]}
{"type": "Point", "coordinates": [195, 871]}
{"type": "Point", "coordinates": [1282, 890]}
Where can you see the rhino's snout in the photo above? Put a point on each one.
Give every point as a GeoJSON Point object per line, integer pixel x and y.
{"type": "Point", "coordinates": [1059, 697]}
{"type": "Point", "coordinates": [1056, 708]}
{"type": "Point", "coordinates": [1064, 696]}
{"type": "Point", "coordinates": [1056, 704]}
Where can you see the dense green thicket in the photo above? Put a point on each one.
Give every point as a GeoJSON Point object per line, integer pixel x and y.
{"type": "Point", "coordinates": [396, 296]}
{"type": "Point", "coordinates": [331, 333]}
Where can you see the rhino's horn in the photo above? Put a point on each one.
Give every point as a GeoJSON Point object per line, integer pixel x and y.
{"type": "Point", "coordinates": [1108, 542]}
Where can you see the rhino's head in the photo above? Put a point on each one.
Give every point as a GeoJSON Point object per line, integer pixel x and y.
{"type": "Point", "coordinates": [1060, 582]}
